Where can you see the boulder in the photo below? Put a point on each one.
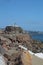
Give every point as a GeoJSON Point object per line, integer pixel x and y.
{"type": "Point", "coordinates": [13, 29]}
{"type": "Point", "coordinates": [4, 40]}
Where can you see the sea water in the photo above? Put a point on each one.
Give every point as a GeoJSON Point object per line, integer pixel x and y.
{"type": "Point", "coordinates": [37, 37]}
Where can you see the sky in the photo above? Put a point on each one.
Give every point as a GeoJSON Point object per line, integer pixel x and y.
{"type": "Point", "coordinates": [25, 13]}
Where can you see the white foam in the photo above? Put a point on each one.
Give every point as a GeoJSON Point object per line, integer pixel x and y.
{"type": "Point", "coordinates": [2, 62]}
{"type": "Point", "coordinates": [22, 47]}
{"type": "Point", "coordinates": [40, 55]}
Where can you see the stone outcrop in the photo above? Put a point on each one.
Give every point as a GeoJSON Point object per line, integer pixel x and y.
{"type": "Point", "coordinates": [13, 29]}
{"type": "Point", "coordinates": [10, 40]}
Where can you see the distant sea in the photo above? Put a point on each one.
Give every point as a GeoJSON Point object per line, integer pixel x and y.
{"type": "Point", "coordinates": [37, 37]}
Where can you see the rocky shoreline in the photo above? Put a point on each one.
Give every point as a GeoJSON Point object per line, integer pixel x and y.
{"type": "Point", "coordinates": [10, 39]}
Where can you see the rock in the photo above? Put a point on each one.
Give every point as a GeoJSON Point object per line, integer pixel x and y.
{"type": "Point", "coordinates": [37, 46]}
{"type": "Point", "coordinates": [4, 40]}
{"type": "Point", "coordinates": [9, 29]}
{"type": "Point", "coordinates": [9, 42]}
{"type": "Point", "coordinates": [26, 58]}
{"type": "Point", "coordinates": [2, 50]}
{"type": "Point", "coordinates": [25, 40]}
{"type": "Point", "coordinates": [13, 29]}
{"type": "Point", "coordinates": [14, 58]}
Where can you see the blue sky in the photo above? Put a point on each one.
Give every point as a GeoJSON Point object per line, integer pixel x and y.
{"type": "Point", "coordinates": [26, 13]}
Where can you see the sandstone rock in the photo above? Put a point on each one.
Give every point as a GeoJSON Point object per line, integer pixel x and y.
{"type": "Point", "coordinates": [26, 58]}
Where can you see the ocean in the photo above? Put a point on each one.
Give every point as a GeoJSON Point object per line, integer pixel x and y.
{"type": "Point", "coordinates": [37, 37]}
